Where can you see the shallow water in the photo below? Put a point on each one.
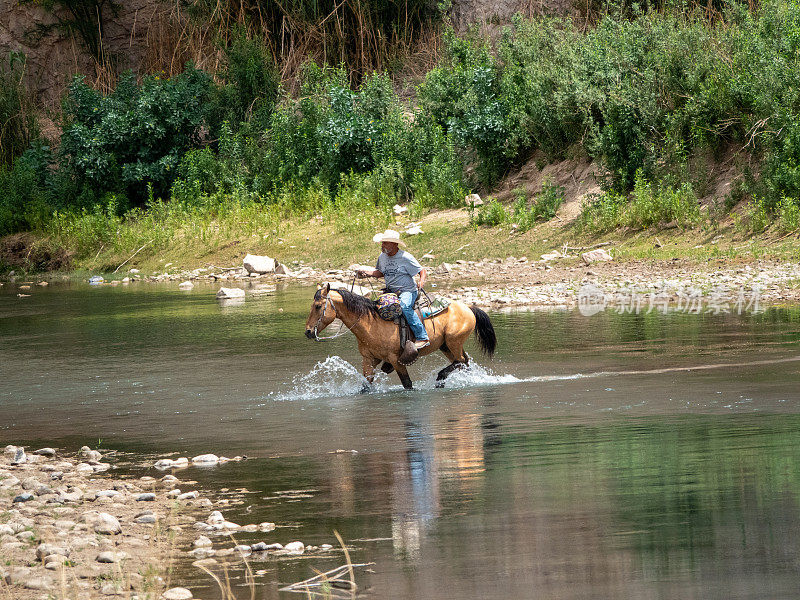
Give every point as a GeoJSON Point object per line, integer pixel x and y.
{"type": "Point", "coordinates": [636, 456]}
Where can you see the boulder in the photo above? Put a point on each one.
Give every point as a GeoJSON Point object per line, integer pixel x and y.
{"type": "Point", "coordinates": [598, 255]}
{"type": "Point", "coordinates": [259, 264]}
{"type": "Point", "coordinates": [281, 269]}
{"type": "Point", "coordinates": [295, 547]}
{"type": "Point", "coordinates": [45, 452]}
{"type": "Point", "coordinates": [229, 293]}
{"type": "Point", "coordinates": [205, 459]}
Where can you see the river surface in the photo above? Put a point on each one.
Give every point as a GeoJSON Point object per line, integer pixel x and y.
{"type": "Point", "coordinates": [612, 456]}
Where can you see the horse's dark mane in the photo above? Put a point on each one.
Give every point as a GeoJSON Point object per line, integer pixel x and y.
{"type": "Point", "coordinates": [356, 303]}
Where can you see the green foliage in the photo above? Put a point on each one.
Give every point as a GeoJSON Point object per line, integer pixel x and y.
{"type": "Point", "coordinates": [25, 201]}
{"type": "Point", "coordinates": [252, 82]}
{"type": "Point", "coordinates": [602, 212]}
{"type": "Point", "coordinates": [18, 123]}
{"type": "Point", "coordinates": [135, 136]}
{"type": "Point", "coordinates": [491, 214]}
{"type": "Point", "coordinates": [789, 214]}
{"type": "Point", "coordinates": [659, 206]}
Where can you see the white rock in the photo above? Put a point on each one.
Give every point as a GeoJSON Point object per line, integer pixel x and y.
{"type": "Point", "coordinates": [265, 526]}
{"type": "Point", "coordinates": [295, 547]}
{"type": "Point", "coordinates": [189, 495]}
{"type": "Point", "coordinates": [259, 264]}
{"type": "Point", "coordinates": [243, 549]}
{"type": "Point", "coordinates": [202, 542]}
{"type": "Point", "coordinates": [229, 293]}
{"type": "Point", "coordinates": [473, 200]}
{"type": "Point", "coordinates": [207, 459]}
{"type": "Point", "coordinates": [414, 230]}
{"type": "Point", "coordinates": [185, 285]}
{"type": "Point", "coordinates": [215, 518]}
{"type": "Point", "coordinates": [103, 523]}
{"type": "Point", "coordinates": [598, 255]}
{"type": "Point", "coordinates": [84, 469]}
{"type": "Point", "coordinates": [399, 210]}
{"type": "Point", "coordinates": [177, 593]}
{"type": "Point", "coordinates": [281, 269]}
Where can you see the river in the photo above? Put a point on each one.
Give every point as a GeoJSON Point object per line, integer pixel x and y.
{"type": "Point", "coordinates": [618, 455]}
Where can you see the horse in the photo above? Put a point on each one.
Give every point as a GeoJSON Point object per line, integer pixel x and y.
{"type": "Point", "coordinates": [379, 340]}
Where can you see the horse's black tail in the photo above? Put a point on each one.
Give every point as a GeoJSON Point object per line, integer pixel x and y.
{"type": "Point", "coordinates": [484, 331]}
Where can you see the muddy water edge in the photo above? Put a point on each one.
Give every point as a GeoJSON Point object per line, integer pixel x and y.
{"type": "Point", "coordinates": [618, 455]}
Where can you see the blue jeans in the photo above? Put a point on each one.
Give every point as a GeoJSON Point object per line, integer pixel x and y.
{"type": "Point", "coordinates": [407, 300]}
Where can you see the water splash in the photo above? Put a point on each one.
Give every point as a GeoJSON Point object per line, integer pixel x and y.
{"type": "Point", "coordinates": [332, 377]}
{"type": "Point", "coordinates": [473, 376]}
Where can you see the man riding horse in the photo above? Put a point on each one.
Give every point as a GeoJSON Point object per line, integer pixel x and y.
{"type": "Point", "coordinates": [399, 268]}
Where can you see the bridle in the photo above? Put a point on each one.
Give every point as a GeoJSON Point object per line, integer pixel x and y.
{"type": "Point", "coordinates": [343, 329]}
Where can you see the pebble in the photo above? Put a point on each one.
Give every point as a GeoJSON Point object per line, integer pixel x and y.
{"type": "Point", "coordinates": [109, 556]}
{"type": "Point", "coordinates": [49, 452]}
{"type": "Point", "coordinates": [202, 542]}
{"type": "Point", "coordinates": [146, 519]}
{"type": "Point", "coordinates": [188, 495]}
{"type": "Point", "coordinates": [26, 497]}
{"type": "Point", "coordinates": [206, 459]}
{"type": "Point", "coordinates": [148, 497]}
{"type": "Point", "coordinates": [103, 523]}
{"type": "Point", "coordinates": [243, 549]}
{"type": "Point", "coordinates": [177, 593]}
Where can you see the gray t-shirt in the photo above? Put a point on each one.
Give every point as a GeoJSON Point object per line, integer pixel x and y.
{"type": "Point", "coordinates": [399, 271]}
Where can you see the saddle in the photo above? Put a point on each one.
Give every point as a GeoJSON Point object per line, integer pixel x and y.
{"type": "Point", "coordinates": [426, 309]}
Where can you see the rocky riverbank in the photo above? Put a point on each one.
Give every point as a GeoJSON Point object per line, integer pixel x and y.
{"type": "Point", "coordinates": [70, 527]}
{"type": "Point", "coordinates": [556, 279]}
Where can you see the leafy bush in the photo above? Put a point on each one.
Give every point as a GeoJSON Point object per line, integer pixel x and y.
{"type": "Point", "coordinates": [252, 83]}
{"type": "Point", "coordinates": [491, 214]}
{"type": "Point", "coordinates": [603, 212]}
{"type": "Point", "coordinates": [548, 201]}
{"type": "Point", "coordinates": [789, 214]}
{"type": "Point", "coordinates": [135, 136]}
{"type": "Point", "coordinates": [658, 206]}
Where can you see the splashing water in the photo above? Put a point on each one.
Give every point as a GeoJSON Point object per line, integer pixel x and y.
{"type": "Point", "coordinates": [335, 377]}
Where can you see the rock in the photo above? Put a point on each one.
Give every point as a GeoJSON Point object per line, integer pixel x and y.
{"type": "Point", "coordinates": [49, 452]}
{"type": "Point", "coordinates": [177, 593]}
{"type": "Point", "coordinates": [326, 547]}
{"type": "Point", "coordinates": [107, 494]}
{"type": "Point", "coordinates": [202, 552]}
{"type": "Point", "coordinates": [399, 210]}
{"type": "Point", "coordinates": [174, 493]}
{"type": "Point", "coordinates": [111, 589]}
{"type": "Point", "coordinates": [189, 495]}
{"type": "Point", "coordinates": [146, 519]}
{"type": "Point", "coordinates": [205, 562]}
{"type": "Point", "coordinates": [215, 518]}
{"type": "Point", "coordinates": [9, 481]}
{"type": "Point", "coordinates": [229, 293]}
{"type": "Point", "coordinates": [551, 255]}
{"type": "Point", "coordinates": [598, 255]}
{"type": "Point", "coordinates": [53, 561]}
{"type": "Point", "coordinates": [109, 557]}
{"type": "Point", "coordinates": [444, 268]}
{"type": "Point", "coordinates": [263, 547]}
{"type": "Point", "coordinates": [72, 495]}
{"type": "Point", "coordinates": [96, 280]}
{"type": "Point", "coordinates": [103, 523]}
{"type": "Point", "coordinates": [5, 530]}
{"type": "Point", "coordinates": [31, 483]}
{"type": "Point", "coordinates": [243, 549]}
{"type": "Point", "coordinates": [84, 469]}
{"type": "Point", "coordinates": [259, 264]}
{"type": "Point", "coordinates": [25, 535]}
{"type": "Point", "coordinates": [414, 230]}
{"type": "Point", "coordinates": [19, 456]}
{"type": "Point", "coordinates": [265, 526]}
{"type": "Point", "coordinates": [44, 550]}
{"type": "Point", "coordinates": [281, 269]}
{"type": "Point", "coordinates": [295, 547]}
{"type": "Point", "coordinates": [37, 583]}
{"type": "Point", "coordinates": [185, 285]}
{"type": "Point", "coordinates": [202, 542]}
{"type": "Point", "coordinates": [147, 497]}
{"type": "Point", "coordinates": [249, 528]}
{"type": "Point", "coordinates": [25, 497]}
{"type": "Point", "coordinates": [473, 200]}
{"type": "Point", "coordinates": [206, 459]}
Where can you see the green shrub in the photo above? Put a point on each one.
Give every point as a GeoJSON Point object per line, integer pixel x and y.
{"type": "Point", "coordinates": [491, 214]}
{"type": "Point", "coordinates": [548, 201]}
{"type": "Point", "coordinates": [603, 212]}
{"type": "Point", "coordinates": [653, 205]}
{"type": "Point", "coordinates": [789, 214]}
{"type": "Point", "coordinates": [135, 136]}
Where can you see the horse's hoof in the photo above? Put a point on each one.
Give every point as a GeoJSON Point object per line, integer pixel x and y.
{"type": "Point", "coordinates": [439, 384]}
{"type": "Point", "coordinates": [365, 389]}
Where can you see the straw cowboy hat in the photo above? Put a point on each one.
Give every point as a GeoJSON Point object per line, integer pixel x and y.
{"type": "Point", "coordinates": [390, 235]}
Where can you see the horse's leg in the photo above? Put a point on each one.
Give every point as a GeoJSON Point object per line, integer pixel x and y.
{"type": "Point", "coordinates": [368, 365]}
{"type": "Point", "coordinates": [453, 349]}
{"type": "Point", "coordinates": [387, 368]}
{"type": "Point", "coordinates": [402, 372]}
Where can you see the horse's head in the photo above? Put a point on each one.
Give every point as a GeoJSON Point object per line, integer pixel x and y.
{"type": "Point", "coordinates": [322, 312]}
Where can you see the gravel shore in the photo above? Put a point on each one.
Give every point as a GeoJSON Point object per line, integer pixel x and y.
{"type": "Point", "coordinates": [71, 528]}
